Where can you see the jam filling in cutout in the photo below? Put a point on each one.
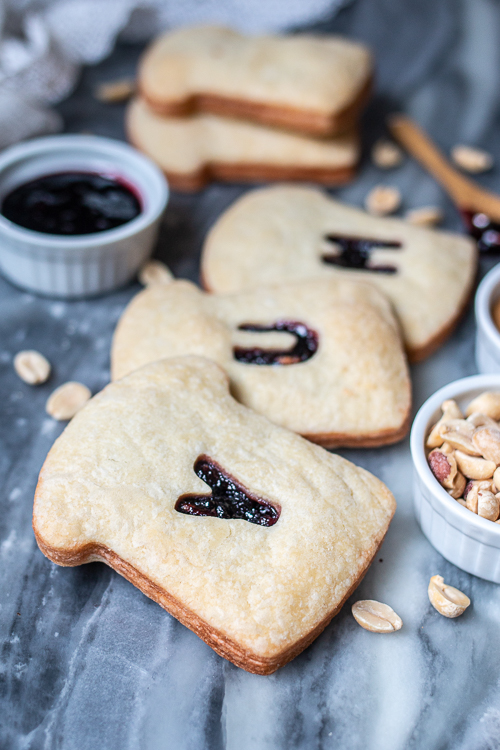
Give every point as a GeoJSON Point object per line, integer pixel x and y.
{"type": "Point", "coordinates": [306, 344]}
{"type": "Point", "coordinates": [229, 499]}
{"type": "Point", "coordinates": [355, 253]}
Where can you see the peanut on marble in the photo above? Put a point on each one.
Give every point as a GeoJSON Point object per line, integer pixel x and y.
{"type": "Point", "coordinates": [464, 453]}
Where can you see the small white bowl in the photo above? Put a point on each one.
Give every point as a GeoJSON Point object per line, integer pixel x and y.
{"type": "Point", "coordinates": [468, 541]}
{"type": "Point", "coordinates": [79, 265]}
{"type": "Point", "coordinates": [487, 334]}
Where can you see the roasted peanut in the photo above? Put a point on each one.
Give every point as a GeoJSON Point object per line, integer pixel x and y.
{"type": "Point", "coordinates": [32, 367]}
{"type": "Point", "coordinates": [450, 411]}
{"type": "Point", "coordinates": [474, 467]}
{"type": "Point", "coordinates": [459, 484]}
{"type": "Point", "coordinates": [487, 403]}
{"type": "Point", "coordinates": [486, 440]}
{"type": "Point", "coordinates": [444, 467]}
{"type": "Point", "coordinates": [487, 505]}
{"type": "Point", "coordinates": [375, 616]}
{"type": "Point", "coordinates": [458, 433]}
{"type": "Point", "coordinates": [447, 600]}
{"type": "Point", "coordinates": [67, 400]}
{"type": "Point", "coordinates": [478, 420]}
{"type": "Point", "coordinates": [113, 92]}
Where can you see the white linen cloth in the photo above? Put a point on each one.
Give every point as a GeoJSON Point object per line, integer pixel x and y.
{"type": "Point", "coordinates": [44, 42]}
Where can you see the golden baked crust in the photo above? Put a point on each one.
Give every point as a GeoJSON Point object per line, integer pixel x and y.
{"type": "Point", "coordinates": [355, 389]}
{"type": "Point", "coordinates": [316, 85]}
{"type": "Point", "coordinates": [257, 595]}
{"type": "Point", "coordinates": [277, 234]}
{"type": "Point", "coordinates": [194, 150]}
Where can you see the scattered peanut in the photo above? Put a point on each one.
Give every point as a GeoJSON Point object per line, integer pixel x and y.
{"type": "Point", "coordinates": [113, 92]}
{"type": "Point", "coordinates": [427, 216]}
{"type": "Point", "coordinates": [67, 400]}
{"type": "Point", "coordinates": [375, 616]}
{"type": "Point", "coordinates": [383, 200]}
{"type": "Point", "coordinates": [154, 272]}
{"type": "Point", "coordinates": [471, 159]}
{"type": "Point", "coordinates": [386, 154]}
{"type": "Point", "coordinates": [448, 600]}
{"type": "Point", "coordinates": [32, 367]}
{"type": "Point", "coordinates": [465, 455]}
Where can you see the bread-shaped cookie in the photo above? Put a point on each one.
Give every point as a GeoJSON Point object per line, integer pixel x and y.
{"type": "Point", "coordinates": [312, 84]}
{"type": "Point", "coordinates": [322, 359]}
{"type": "Point", "coordinates": [192, 151]}
{"type": "Point", "coordinates": [285, 233]}
{"type": "Point", "coordinates": [249, 535]}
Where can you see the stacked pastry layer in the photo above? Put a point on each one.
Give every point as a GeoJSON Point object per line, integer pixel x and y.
{"type": "Point", "coordinates": [217, 105]}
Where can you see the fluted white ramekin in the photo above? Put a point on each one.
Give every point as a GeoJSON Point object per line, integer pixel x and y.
{"type": "Point", "coordinates": [79, 265]}
{"type": "Point", "coordinates": [487, 334]}
{"type": "Point", "coordinates": [468, 541]}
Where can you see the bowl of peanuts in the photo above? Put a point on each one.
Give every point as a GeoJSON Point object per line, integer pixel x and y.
{"type": "Point", "coordinates": [455, 446]}
{"type": "Point", "coordinates": [487, 309]}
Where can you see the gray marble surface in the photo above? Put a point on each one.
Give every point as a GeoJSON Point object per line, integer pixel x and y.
{"type": "Point", "coordinates": [87, 660]}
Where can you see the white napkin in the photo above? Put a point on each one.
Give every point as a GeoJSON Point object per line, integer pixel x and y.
{"type": "Point", "coordinates": [44, 42]}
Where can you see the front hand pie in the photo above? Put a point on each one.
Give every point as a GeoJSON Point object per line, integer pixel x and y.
{"type": "Point", "coordinates": [285, 233]}
{"type": "Point", "coordinates": [194, 150]}
{"type": "Point", "coordinates": [313, 84]}
{"type": "Point", "coordinates": [249, 535]}
{"type": "Point", "coordinates": [323, 359]}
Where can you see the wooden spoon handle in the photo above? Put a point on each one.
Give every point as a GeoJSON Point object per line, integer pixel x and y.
{"type": "Point", "coordinates": [421, 147]}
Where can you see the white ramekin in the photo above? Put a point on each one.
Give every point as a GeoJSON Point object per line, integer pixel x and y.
{"type": "Point", "coordinates": [487, 334]}
{"type": "Point", "coordinates": [79, 265]}
{"type": "Point", "coordinates": [468, 541]}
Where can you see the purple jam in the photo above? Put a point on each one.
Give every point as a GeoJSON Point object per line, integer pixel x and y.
{"type": "Point", "coordinates": [485, 231]}
{"type": "Point", "coordinates": [229, 499]}
{"type": "Point", "coordinates": [354, 252]}
{"type": "Point", "coordinates": [71, 203]}
{"type": "Point", "coordinates": [306, 344]}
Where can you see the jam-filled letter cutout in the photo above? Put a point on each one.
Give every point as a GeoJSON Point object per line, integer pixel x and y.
{"type": "Point", "coordinates": [306, 344]}
{"type": "Point", "coordinates": [354, 252]}
{"type": "Point", "coordinates": [229, 499]}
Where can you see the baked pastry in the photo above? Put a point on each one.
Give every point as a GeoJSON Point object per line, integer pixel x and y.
{"type": "Point", "coordinates": [323, 359]}
{"type": "Point", "coordinates": [258, 567]}
{"type": "Point", "coordinates": [312, 84]}
{"type": "Point", "coordinates": [194, 150]}
{"type": "Point", "coordinates": [288, 233]}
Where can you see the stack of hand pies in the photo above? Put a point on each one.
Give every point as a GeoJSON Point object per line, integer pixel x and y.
{"type": "Point", "coordinates": [214, 104]}
{"type": "Point", "coordinates": [195, 473]}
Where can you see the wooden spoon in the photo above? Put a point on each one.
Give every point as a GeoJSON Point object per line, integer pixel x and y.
{"type": "Point", "coordinates": [469, 197]}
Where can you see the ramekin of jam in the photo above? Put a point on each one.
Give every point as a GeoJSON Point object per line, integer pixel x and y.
{"type": "Point", "coordinates": [487, 308]}
{"type": "Point", "coordinates": [79, 214]}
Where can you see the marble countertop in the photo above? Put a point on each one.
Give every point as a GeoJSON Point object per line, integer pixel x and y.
{"type": "Point", "coordinates": [87, 660]}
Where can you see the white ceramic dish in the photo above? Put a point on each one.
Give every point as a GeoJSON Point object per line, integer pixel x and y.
{"type": "Point", "coordinates": [487, 334]}
{"type": "Point", "coordinates": [79, 265]}
{"type": "Point", "coordinates": [468, 541]}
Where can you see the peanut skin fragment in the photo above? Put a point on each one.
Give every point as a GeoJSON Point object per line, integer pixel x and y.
{"type": "Point", "coordinates": [447, 600]}
{"type": "Point", "coordinates": [443, 467]}
{"type": "Point", "coordinates": [376, 616]}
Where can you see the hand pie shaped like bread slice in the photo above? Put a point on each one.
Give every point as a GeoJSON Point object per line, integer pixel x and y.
{"type": "Point", "coordinates": [322, 359]}
{"type": "Point", "coordinates": [249, 535]}
{"type": "Point", "coordinates": [316, 85]}
{"type": "Point", "coordinates": [285, 233]}
{"type": "Point", "coordinates": [194, 150]}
